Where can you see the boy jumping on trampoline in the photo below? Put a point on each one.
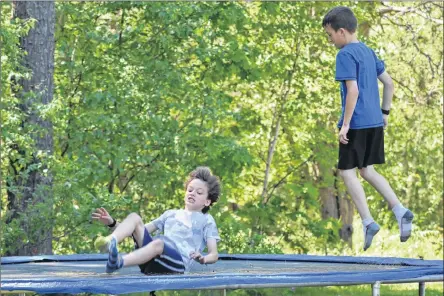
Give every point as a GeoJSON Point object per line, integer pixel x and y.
{"type": "Point", "coordinates": [186, 232]}
{"type": "Point", "coordinates": [363, 120]}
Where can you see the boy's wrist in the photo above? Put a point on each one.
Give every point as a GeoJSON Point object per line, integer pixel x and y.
{"type": "Point", "coordinates": [112, 224]}
{"type": "Point", "coordinates": [385, 111]}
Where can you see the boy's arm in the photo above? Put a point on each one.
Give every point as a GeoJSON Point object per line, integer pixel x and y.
{"type": "Point", "coordinates": [388, 90]}
{"type": "Point", "coordinates": [150, 227]}
{"type": "Point", "coordinates": [212, 255]}
{"type": "Point", "coordinates": [350, 104]}
{"type": "Point", "coordinates": [350, 101]}
{"type": "Point", "coordinates": [346, 72]}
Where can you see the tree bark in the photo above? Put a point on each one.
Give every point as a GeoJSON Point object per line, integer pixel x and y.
{"type": "Point", "coordinates": [31, 200]}
{"type": "Point", "coordinates": [336, 204]}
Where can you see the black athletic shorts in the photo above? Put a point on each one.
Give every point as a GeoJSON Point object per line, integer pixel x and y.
{"type": "Point", "coordinates": [365, 147]}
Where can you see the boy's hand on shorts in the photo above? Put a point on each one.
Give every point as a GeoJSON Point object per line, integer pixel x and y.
{"type": "Point", "coordinates": [103, 216]}
{"type": "Point", "coordinates": [198, 257]}
{"type": "Point", "coordinates": [343, 134]}
{"type": "Point", "coordinates": [385, 118]}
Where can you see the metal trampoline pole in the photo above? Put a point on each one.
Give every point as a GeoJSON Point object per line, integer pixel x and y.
{"type": "Point", "coordinates": [376, 288]}
{"type": "Point", "coordinates": [421, 288]}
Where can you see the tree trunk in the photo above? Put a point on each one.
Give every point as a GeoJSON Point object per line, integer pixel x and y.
{"type": "Point", "coordinates": [336, 204]}
{"type": "Point", "coordinates": [31, 200]}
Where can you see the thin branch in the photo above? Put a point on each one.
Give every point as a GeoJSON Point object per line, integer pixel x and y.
{"type": "Point", "coordinates": [122, 21]}
{"type": "Point", "coordinates": [404, 10]}
{"type": "Point", "coordinates": [279, 183]}
{"type": "Point", "coordinates": [276, 124]}
{"type": "Point", "coordinates": [11, 163]}
{"type": "Point", "coordinates": [408, 26]}
{"type": "Point", "coordinates": [403, 85]}
{"type": "Point", "coordinates": [141, 168]}
{"type": "Point", "coordinates": [113, 178]}
{"type": "Point", "coordinates": [65, 149]}
{"type": "Point", "coordinates": [429, 58]}
{"type": "Point", "coordinates": [436, 4]}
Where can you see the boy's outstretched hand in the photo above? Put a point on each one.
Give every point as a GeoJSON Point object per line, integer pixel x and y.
{"type": "Point", "coordinates": [103, 216]}
{"type": "Point", "coordinates": [198, 257]}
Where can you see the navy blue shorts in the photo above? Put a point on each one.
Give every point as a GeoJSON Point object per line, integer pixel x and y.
{"type": "Point", "coordinates": [170, 261]}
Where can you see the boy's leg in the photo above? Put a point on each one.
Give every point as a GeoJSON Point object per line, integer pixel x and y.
{"type": "Point", "coordinates": [403, 215]}
{"type": "Point", "coordinates": [380, 184]}
{"type": "Point", "coordinates": [356, 191]}
{"type": "Point", "coordinates": [151, 249]}
{"type": "Point", "coordinates": [131, 226]}
{"type": "Point", "coordinates": [114, 260]}
{"type": "Point", "coordinates": [137, 257]}
{"type": "Point", "coordinates": [144, 254]}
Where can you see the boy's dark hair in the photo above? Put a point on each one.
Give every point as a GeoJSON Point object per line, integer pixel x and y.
{"type": "Point", "coordinates": [204, 174]}
{"type": "Point", "coordinates": [340, 17]}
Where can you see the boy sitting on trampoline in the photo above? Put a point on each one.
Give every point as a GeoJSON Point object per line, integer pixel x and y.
{"type": "Point", "coordinates": [363, 120]}
{"type": "Point", "coordinates": [186, 232]}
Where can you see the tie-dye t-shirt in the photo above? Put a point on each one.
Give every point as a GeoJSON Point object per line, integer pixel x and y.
{"type": "Point", "coordinates": [188, 230]}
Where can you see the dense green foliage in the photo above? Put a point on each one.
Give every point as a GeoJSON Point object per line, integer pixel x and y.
{"type": "Point", "coordinates": [145, 92]}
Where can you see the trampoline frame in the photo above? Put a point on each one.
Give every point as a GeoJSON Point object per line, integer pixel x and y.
{"type": "Point", "coordinates": [376, 285]}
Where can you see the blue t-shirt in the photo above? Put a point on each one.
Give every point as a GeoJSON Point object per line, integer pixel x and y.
{"type": "Point", "coordinates": [356, 61]}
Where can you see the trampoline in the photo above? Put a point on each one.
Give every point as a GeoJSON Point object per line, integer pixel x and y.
{"type": "Point", "coordinates": [85, 273]}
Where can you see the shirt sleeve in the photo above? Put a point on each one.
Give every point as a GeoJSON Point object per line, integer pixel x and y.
{"type": "Point", "coordinates": [380, 65]}
{"type": "Point", "coordinates": [160, 222]}
{"type": "Point", "coordinates": [210, 230]}
{"type": "Point", "coordinates": [345, 67]}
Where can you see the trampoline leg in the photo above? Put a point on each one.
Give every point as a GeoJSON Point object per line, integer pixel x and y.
{"type": "Point", "coordinates": [421, 289]}
{"type": "Point", "coordinates": [376, 287]}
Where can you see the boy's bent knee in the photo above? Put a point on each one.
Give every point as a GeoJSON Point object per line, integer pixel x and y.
{"type": "Point", "coordinates": [136, 217]}
{"type": "Point", "coordinates": [158, 246]}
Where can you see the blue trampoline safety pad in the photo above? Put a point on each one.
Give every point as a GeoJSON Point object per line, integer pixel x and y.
{"type": "Point", "coordinates": [86, 273]}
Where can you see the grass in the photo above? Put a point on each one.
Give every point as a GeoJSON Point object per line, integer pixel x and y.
{"type": "Point", "coordinates": [432, 289]}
